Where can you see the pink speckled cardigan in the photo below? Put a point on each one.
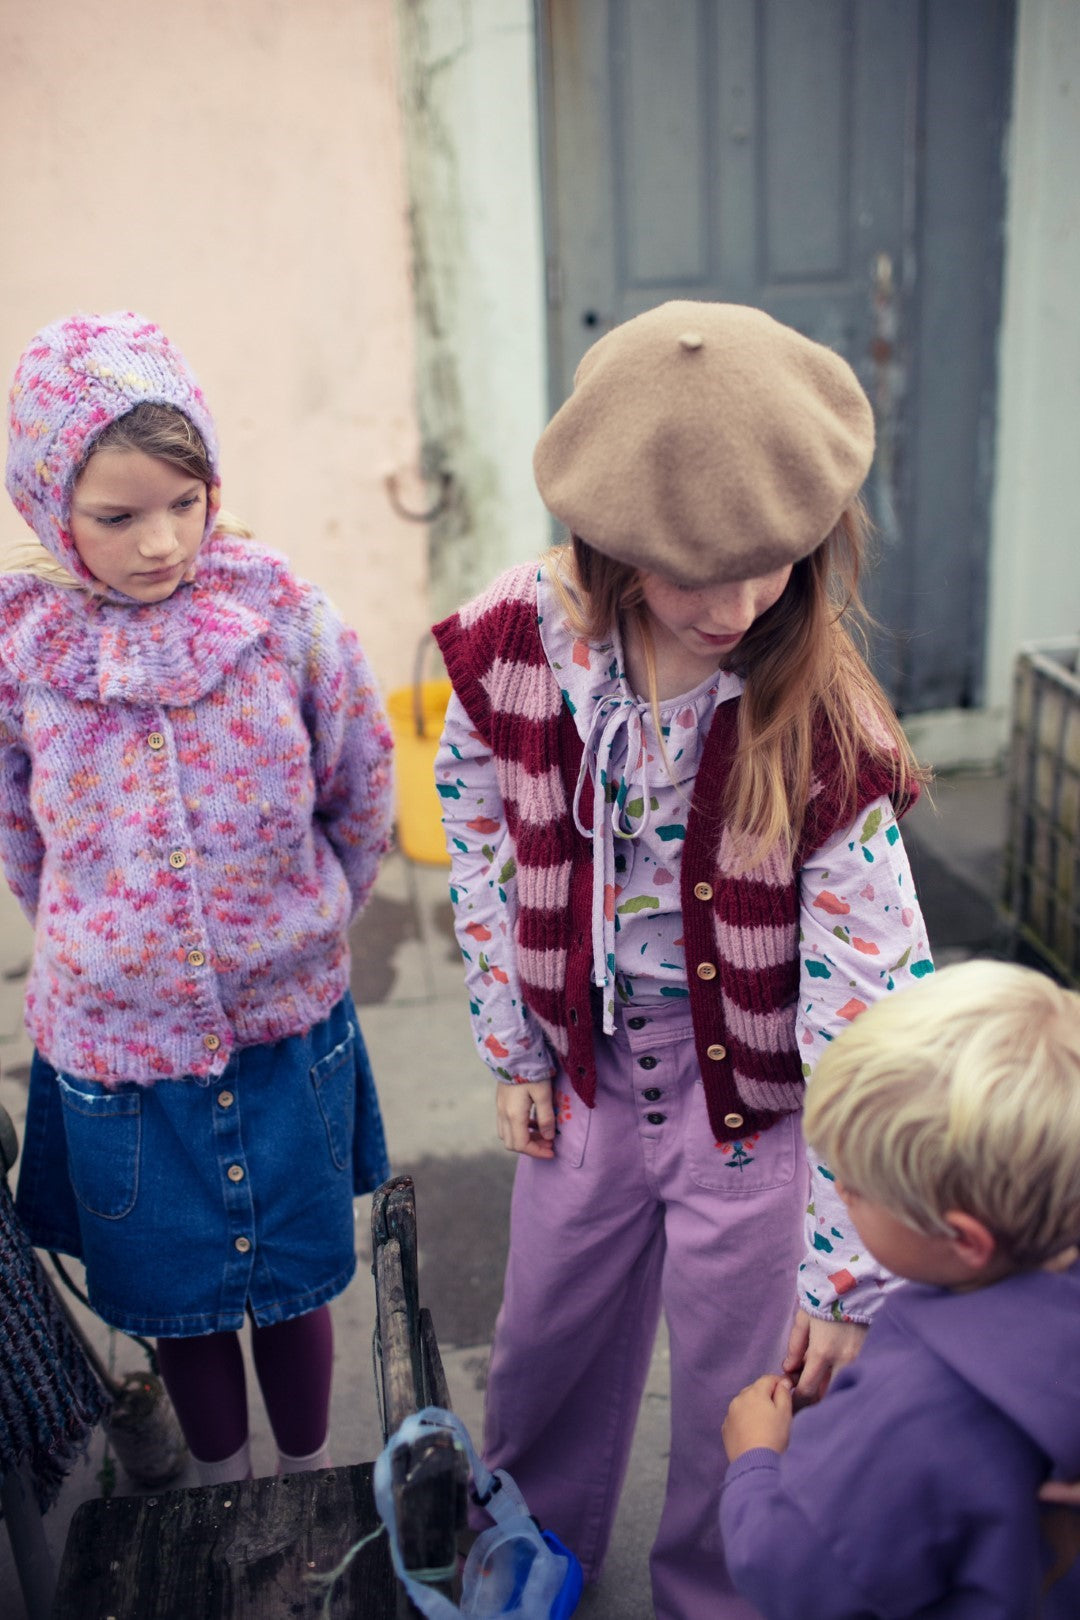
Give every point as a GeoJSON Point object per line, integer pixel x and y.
{"type": "Point", "coordinates": [194, 798]}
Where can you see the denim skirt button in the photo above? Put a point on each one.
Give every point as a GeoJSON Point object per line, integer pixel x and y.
{"type": "Point", "coordinates": [235, 1172]}
{"type": "Point", "coordinates": [242, 1245]}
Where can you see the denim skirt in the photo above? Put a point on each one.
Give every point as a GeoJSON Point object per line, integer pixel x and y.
{"type": "Point", "coordinates": [193, 1203]}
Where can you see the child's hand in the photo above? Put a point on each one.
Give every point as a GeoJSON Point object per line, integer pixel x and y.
{"type": "Point", "coordinates": [525, 1118]}
{"type": "Point", "coordinates": [760, 1415]}
{"type": "Point", "coordinates": [816, 1350]}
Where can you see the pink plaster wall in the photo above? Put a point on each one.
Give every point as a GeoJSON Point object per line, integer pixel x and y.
{"type": "Point", "coordinates": [233, 169]}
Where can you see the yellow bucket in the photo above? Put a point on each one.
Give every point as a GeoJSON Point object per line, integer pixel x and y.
{"type": "Point", "coordinates": [416, 719]}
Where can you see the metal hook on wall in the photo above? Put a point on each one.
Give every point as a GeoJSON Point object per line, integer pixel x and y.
{"type": "Point", "coordinates": [436, 509]}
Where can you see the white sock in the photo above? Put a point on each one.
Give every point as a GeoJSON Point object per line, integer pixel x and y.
{"type": "Point", "coordinates": [229, 1471]}
{"type": "Point", "coordinates": [308, 1464]}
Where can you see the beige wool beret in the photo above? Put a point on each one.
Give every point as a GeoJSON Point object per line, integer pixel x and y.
{"type": "Point", "coordinates": [707, 443]}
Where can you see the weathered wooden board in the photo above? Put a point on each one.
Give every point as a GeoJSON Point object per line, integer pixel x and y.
{"type": "Point", "coordinates": [429, 1475]}
{"type": "Point", "coordinates": [229, 1552]}
{"type": "Point", "coordinates": [395, 1268]}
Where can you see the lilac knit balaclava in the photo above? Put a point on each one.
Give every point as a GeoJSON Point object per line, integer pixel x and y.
{"type": "Point", "coordinates": [74, 378]}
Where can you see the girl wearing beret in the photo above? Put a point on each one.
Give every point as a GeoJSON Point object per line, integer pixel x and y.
{"type": "Point", "coordinates": [194, 800]}
{"type": "Point", "coordinates": [671, 788]}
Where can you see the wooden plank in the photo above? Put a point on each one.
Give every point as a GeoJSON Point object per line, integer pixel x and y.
{"type": "Point", "coordinates": [393, 1216]}
{"type": "Point", "coordinates": [429, 1498]}
{"type": "Point", "coordinates": [229, 1552]}
{"type": "Point", "coordinates": [429, 1488]}
{"type": "Point", "coordinates": [401, 1224]}
{"type": "Point", "coordinates": [436, 1391]}
{"type": "Point", "coordinates": [399, 1384]}
{"type": "Point", "coordinates": [429, 1476]}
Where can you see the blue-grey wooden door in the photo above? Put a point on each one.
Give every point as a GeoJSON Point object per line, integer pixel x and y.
{"type": "Point", "coordinates": [839, 164]}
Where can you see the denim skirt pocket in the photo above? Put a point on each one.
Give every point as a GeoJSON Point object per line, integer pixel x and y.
{"type": "Point", "coordinates": [103, 1131]}
{"type": "Point", "coordinates": [334, 1080]}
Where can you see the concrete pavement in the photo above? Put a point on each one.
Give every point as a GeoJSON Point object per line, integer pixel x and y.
{"type": "Point", "coordinates": [437, 1104]}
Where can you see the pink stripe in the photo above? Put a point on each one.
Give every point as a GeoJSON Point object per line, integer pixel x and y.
{"type": "Point", "coordinates": [545, 969]}
{"type": "Point", "coordinates": [540, 800]}
{"type": "Point", "coordinates": [516, 689]}
{"type": "Point", "coordinates": [768, 1094]}
{"type": "Point", "coordinates": [755, 948]}
{"type": "Point", "coordinates": [759, 1032]}
{"type": "Point", "coordinates": [774, 870]}
{"type": "Point", "coordinates": [544, 888]}
{"type": "Point", "coordinates": [516, 585]}
{"type": "Point", "coordinates": [557, 1038]}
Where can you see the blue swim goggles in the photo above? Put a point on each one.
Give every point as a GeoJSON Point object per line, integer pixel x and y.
{"type": "Point", "coordinates": [514, 1571]}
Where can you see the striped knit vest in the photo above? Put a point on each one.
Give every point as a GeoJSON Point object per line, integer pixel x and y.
{"type": "Point", "coordinates": [740, 932]}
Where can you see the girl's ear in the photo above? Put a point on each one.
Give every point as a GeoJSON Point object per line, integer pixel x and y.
{"type": "Point", "coordinates": [972, 1242]}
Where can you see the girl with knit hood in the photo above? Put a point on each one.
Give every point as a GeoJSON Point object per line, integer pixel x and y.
{"type": "Point", "coordinates": [194, 799]}
{"type": "Point", "coordinates": [671, 787]}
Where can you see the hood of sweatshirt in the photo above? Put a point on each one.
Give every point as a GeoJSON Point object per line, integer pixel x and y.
{"type": "Point", "coordinates": [1018, 1343]}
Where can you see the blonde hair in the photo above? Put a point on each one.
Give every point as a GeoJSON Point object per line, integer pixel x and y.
{"type": "Point", "coordinates": [962, 1092]}
{"type": "Point", "coordinates": [802, 665]}
{"type": "Point", "coordinates": [161, 431]}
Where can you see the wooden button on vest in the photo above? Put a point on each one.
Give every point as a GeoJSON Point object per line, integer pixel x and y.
{"type": "Point", "coordinates": [717, 1053]}
{"type": "Point", "coordinates": [155, 740]}
{"type": "Point", "coordinates": [706, 970]}
{"type": "Point", "coordinates": [211, 1042]}
{"type": "Point", "coordinates": [177, 859]}
{"type": "Point", "coordinates": [703, 891]}
{"type": "Point", "coordinates": [733, 1121]}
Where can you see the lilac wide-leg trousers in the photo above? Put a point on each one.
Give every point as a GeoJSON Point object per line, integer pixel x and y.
{"type": "Point", "coordinates": [639, 1211]}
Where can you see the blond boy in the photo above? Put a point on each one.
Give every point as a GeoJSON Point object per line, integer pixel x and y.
{"type": "Point", "coordinates": [950, 1114]}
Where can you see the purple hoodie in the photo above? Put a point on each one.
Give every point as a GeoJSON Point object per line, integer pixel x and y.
{"type": "Point", "coordinates": [910, 1491]}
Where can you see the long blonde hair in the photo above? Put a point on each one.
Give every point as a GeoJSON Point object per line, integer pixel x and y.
{"type": "Point", "coordinates": [802, 666]}
{"type": "Point", "coordinates": [161, 431]}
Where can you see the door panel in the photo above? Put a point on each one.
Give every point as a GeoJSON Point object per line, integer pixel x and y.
{"type": "Point", "coordinates": [837, 163]}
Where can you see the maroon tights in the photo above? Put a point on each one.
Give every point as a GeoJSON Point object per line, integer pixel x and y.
{"type": "Point", "coordinates": [293, 1362]}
